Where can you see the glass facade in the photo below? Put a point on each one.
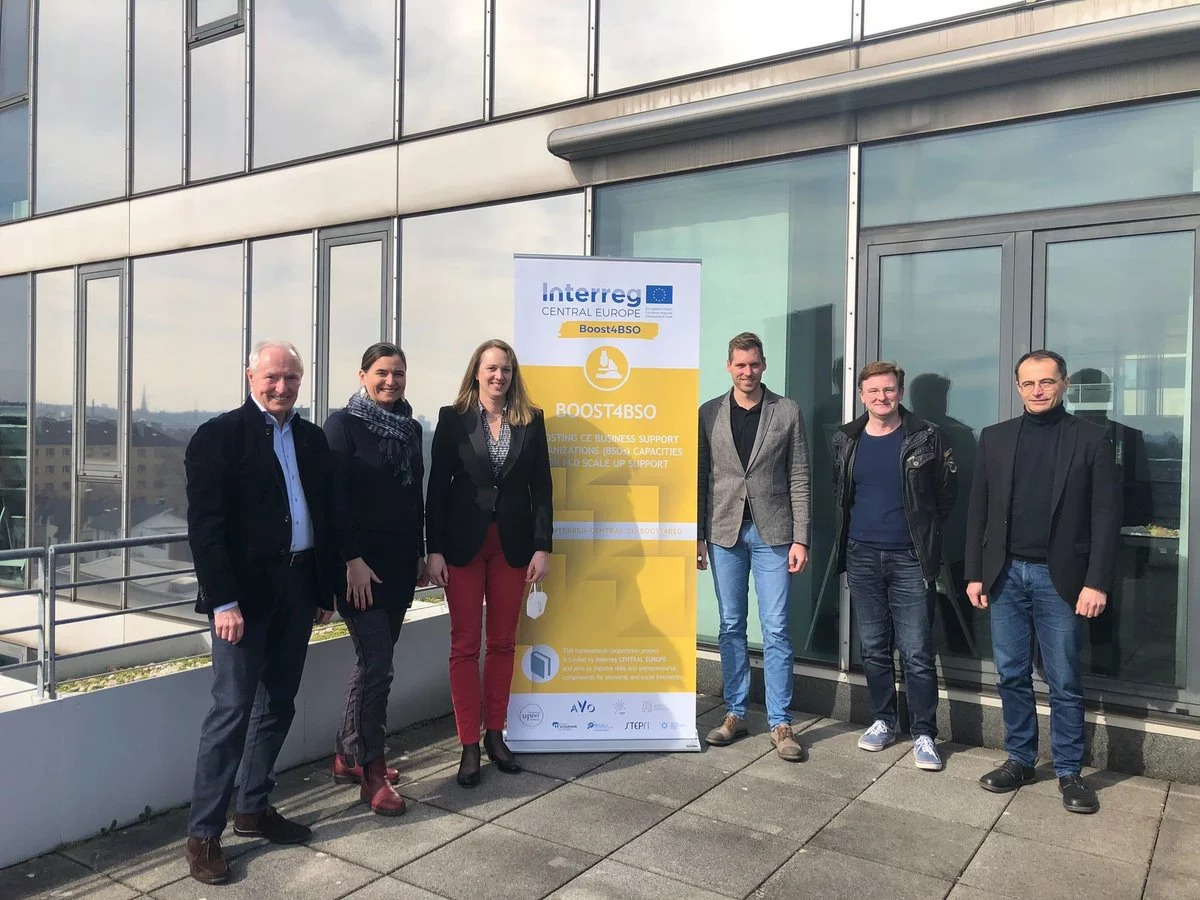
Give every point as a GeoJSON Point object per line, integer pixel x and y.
{"type": "Point", "coordinates": [891, 15]}
{"type": "Point", "coordinates": [14, 423]}
{"type": "Point", "coordinates": [323, 76]}
{"type": "Point", "coordinates": [771, 239]}
{"type": "Point", "coordinates": [53, 403]}
{"type": "Point", "coordinates": [281, 297]}
{"type": "Point", "coordinates": [14, 162]}
{"type": "Point", "coordinates": [217, 108]}
{"type": "Point", "coordinates": [541, 53]}
{"type": "Point", "coordinates": [100, 297]}
{"type": "Point", "coordinates": [158, 88]}
{"type": "Point", "coordinates": [443, 63]}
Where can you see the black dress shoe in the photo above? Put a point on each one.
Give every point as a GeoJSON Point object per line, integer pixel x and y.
{"type": "Point", "coordinates": [1008, 777]}
{"type": "Point", "coordinates": [1077, 796]}
{"type": "Point", "coordinates": [502, 758]}
{"type": "Point", "coordinates": [468, 766]}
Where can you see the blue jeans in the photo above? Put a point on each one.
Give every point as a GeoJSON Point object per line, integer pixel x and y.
{"type": "Point", "coordinates": [1024, 603]}
{"type": "Point", "coordinates": [731, 569]}
{"type": "Point", "coordinates": [892, 601]}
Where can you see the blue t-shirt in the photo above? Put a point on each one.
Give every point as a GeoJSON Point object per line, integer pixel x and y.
{"type": "Point", "coordinates": [877, 516]}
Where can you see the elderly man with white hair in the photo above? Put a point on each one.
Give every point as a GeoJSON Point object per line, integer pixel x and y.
{"type": "Point", "coordinates": [259, 489]}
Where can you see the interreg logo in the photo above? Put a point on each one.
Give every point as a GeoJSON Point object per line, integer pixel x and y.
{"type": "Point", "coordinates": [569, 293]}
{"type": "Point", "coordinates": [583, 705]}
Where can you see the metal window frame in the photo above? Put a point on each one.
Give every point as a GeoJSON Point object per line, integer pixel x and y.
{"type": "Point", "coordinates": [198, 32]}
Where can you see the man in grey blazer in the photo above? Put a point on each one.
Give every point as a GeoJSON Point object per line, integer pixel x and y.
{"type": "Point", "coordinates": [753, 517]}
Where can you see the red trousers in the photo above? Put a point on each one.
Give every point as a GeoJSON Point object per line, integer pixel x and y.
{"type": "Point", "coordinates": [488, 574]}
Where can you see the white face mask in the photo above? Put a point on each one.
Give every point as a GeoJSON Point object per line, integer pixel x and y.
{"type": "Point", "coordinates": [535, 605]}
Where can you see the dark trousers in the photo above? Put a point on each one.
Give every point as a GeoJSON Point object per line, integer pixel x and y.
{"type": "Point", "coordinates": [254, 691]}
{"type": "Point", "coordinates": [488, 574]}
{"type": "Point", "coordinates": [892, 602]}
{"type": "Point", "coordinates": [374, 632]}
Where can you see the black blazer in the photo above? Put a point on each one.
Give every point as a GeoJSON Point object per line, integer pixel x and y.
{"type": "Point", "coordinates": [1085, 520]}
{"type": "Point", "coordinates": [464, 497]}
{"type": "Point", "coordinates": [371, 506]}
{"type": "Point", "coordinates": [239, 523]}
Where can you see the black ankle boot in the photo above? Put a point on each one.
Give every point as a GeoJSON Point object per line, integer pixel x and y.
{"type": "Point", "coordinates": [468, 767]}
{"type": "Point", "coordinates": [498, 752]}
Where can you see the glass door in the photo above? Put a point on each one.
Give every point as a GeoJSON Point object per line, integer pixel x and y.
{"type": "Point", "coordinates": [943, 310]}
{"type": "Point", "coordinates": [1117, 302]}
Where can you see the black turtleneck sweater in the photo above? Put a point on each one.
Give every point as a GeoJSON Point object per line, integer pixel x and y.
{"type": "Point", "coordinates": [1033, 484]}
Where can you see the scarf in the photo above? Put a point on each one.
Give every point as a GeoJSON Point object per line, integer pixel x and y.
{"type": "Point", "coordinates": [399, 435]}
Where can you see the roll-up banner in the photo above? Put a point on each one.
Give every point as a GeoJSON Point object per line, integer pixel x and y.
{"type": "Point", "coordinates": [610, 350]}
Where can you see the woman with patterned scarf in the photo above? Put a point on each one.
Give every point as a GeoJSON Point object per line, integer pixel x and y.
{"type": "Point", "coordinates": [377, 470]}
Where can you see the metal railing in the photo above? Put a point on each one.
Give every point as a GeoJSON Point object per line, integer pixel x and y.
{"type": "Point", "coordinates": [46, 587]}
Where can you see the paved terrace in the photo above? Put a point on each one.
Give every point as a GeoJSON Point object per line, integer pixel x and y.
{"type": "Point", "coordinates": [732, 822]}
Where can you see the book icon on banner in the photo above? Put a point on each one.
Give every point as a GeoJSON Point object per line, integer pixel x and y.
{"type": "Point", "coordinates": [606, 368]}
{"type": "Point", "coordinates": [539, 663]}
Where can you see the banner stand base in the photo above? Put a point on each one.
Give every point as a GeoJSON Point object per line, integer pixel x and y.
{"type": "Point", "coordinates": [685, 744]}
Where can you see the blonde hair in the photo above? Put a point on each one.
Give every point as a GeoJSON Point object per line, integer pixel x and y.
{"type": "Point", "coordinates": [521, 409]}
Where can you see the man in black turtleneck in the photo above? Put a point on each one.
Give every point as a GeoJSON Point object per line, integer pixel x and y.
{"type": "Point", "coordinates": [1041, 541]}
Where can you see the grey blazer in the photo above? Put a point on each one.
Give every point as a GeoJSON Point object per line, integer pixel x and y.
{"type": "Point", "coordinates": [776, 480]}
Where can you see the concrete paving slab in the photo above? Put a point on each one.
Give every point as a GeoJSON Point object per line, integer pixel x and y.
{"type": "Point", "coordinates": [966, 892]}
{"type": "Point", "coordinates": [392, 889]}
{"type": "Point", "coordinates": [295, 872]}
{"type": "Point", "coordinates": [706, 703]}
{"type": "Point", "coordinates": [564, 766]}
{"type": "Point", "coordinates": [144, 856]}
{"type": "Point", "coordinates": [440, 733]}
{"type": "Point", "coordinates": [1164, 885]}
{"type": "Point", "coordinates": [307, 794]}
{"type": "Point", "coordinates": [384, 844]}
{"type": "Point", "coordinates": [731, 758]}
{"type": "Point", "coordinates": [421, 762]}
{"type": "Point", "coordinates": [901, 839]}
{"type": "Point", "coordinates": [967, 762]}
{"type": "Point", "coordinates": [1109, 832]}
{"type": "Point", "coordinates": [937, 795]}
{"type": "Point", "coordinates": [823, 771]}
{"type": "Point", "coordinates": [492, 859]}
{"type": "Point", "coordinates": [842, 737]}
{"type": "Point", "coordinates": [1183, 803]}
{"type": "Point", "coordinates": [816, 872]}
{"type": "Point", "coordinates": [1127, 793]}
{"type": "Point", "coordinates": [57, 876]}
{"type": "Point", "coordinates": [1176, 850]}
{"type": "Point", "coordinates": [667, 781]}
{"type": "Point", "coordinates": [749, 802]}
{"type": "Point", "coordinates": [609, 880]}
{"type": "Point", "coordinates": [756, 720]}
{"type": "Point", "coordinates": [585, 818]}
{"type": "Point", "coordinates": [496, 794]}
{"type": "Point", "coordinates": [710, 854]}
{"type": "Point", "coordinates": [1016, 867]}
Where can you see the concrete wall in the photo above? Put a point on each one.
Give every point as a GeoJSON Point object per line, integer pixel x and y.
{"type": "Point", "coordinates": [76, 764]}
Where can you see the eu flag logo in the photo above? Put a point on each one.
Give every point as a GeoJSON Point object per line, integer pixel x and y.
{"type": "Point", "coordinates": [660, 293]}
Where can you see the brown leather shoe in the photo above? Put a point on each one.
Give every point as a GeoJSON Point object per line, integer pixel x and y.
{"type": "Point", "coordinates": [206, 862]}
{"type": "Point", "coordinates": [271, 825]}
{"type": "Point", "coordinates": [728, 731]}
{"type": "Point", "coordinates": [785, 743]}
{"type": "Point", "coordinates": [376, 791]}
{"type": "Point", "coordinates": [344, 773]}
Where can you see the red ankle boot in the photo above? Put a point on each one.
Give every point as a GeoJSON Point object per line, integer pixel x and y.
{"type": "Point", "coordinates": [378, 792]}
{"type": "Point", "coordinates": [347, 774]}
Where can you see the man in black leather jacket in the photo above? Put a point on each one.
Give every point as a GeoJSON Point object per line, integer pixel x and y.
{"type": "Point", "coordinates": [896, 481]}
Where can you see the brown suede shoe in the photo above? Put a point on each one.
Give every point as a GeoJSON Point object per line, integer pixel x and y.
{"type": "Point", "coordinates": [785, 743]}
{"type": "Point", "coordinates": [271, 825]}
{"type": "Point", "coordinates": [206, 862]}
{"type": "Point", "coordinates": [727, 732]}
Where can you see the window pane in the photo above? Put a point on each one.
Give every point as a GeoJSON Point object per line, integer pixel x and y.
{"type": "Point", "coordinates": [218, 108]}
{"type": "Point", "coordinates": [541, 53]}
{"type": "Point", "coordinates": [281, 298]}
{"type": "Point", "coordinates": [14, 47]}
{"type": "Point", "coordinates": [1130, 373]}
{"type": "Point", "coordinates": [100, 518]}
{"type": "Point", "coordinates": [1153, 148]}
{"type": "Point", "coordinates": [641, 42]}
{"type": "Point", "coordinates": [14, 162]}
{"type": "Point", "coordinates": [927, 302]}
{"type": "Point", "coordinates": [157, 95]}
{"type": "Point", "coordinates": [443, 63]}
{"type": "Point", "coordinates": [457, 288]}
{"type": "Point", "coordinates": [80, 103]}
{"type": "Point", "coordinates": [772, 241]}
{"type": "Point", "coordinates": [208, 11]}
{"type": "Point", "coordinates": [324, 76]}
{"type": "Point", "coordinates": [54, 393]}
{"type": "Point", "coordinates": [198, 294]}
{"type": "Point", "coordinates": [888, 15]}
{"type": "Point", "coordinates": [102, 378]}
{"type": "Point", "coordinates": [14, 422]}
{"type": "Point", "coordinates": [357, 282]}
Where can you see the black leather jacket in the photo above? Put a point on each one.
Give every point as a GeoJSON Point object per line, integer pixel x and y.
{"type": "Point", "coordinates": [930, 484]}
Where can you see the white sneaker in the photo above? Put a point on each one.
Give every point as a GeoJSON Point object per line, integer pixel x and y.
{"type": "Point", "coordinates": [877, 737]}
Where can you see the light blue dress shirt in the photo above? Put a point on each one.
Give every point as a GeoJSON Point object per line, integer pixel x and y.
{"type": "Point", "coordinates": [285, 451]}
